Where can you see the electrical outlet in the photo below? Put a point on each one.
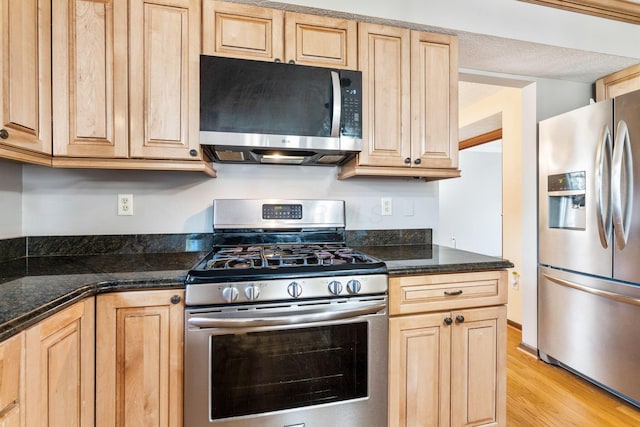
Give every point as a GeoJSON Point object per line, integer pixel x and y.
{"type": "Point", "coordinates": [386, 206]}
{"type": "Point", "coordinates": [125, 204]}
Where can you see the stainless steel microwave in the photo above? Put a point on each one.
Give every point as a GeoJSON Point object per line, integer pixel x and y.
{"type": "Point", "coordinates": [269, 112]}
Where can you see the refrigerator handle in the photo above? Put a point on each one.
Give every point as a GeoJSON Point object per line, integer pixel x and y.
{"type": "Point", "coordinates": [603, 195]}
{"type": "Point", "coordinates": [622, 157]}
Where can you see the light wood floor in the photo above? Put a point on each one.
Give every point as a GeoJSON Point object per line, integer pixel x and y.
{"type": "Point", "coordinates": [539, 394]}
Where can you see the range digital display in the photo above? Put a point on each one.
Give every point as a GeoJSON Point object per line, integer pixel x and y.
{"type": "Point", "coordinates": [272, 211]}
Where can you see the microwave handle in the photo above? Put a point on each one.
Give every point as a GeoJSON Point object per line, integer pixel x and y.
{"type": "Point", "coordinates": [337, 104]}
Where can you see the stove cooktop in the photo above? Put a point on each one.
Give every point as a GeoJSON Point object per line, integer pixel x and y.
{"type": "Point", "coordinates": [282, 261]}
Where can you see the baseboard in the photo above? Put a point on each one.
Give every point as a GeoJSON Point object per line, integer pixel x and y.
{"type": "Point", "coordinates": [531, 351]}
{"type": "Point", "coordinates": [514, 324]}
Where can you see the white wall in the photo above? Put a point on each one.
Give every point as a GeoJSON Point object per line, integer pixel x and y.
{"type": "Point", "coordinates": [78, 201]}
{"type": "Point", "coordinates": [10, 199]}
{"type": "Point", "coordinates": [471, 207]}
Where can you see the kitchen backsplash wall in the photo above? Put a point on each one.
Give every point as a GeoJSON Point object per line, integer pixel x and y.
{"type": "Point", "coordinates": [10, 199]}
{"type": "Point", "coordinates": [59, 202]}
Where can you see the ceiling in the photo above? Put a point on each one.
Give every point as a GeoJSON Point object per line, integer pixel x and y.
{"type": "Point", "coordinates": [498, 55]}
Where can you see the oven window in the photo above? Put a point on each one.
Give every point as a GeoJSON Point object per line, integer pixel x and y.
{"type": "Point", "coordinates": [274, 370]}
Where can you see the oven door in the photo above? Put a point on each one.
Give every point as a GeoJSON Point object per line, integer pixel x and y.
{"type": "Point", "coordinates": [297, 364]}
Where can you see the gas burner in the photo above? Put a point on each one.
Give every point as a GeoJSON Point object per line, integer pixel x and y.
{"type": "Point", "coordinates": [276, 256]}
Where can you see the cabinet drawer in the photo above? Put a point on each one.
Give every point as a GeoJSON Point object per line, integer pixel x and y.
{"type": "Point", "coordinates": [424, 293]}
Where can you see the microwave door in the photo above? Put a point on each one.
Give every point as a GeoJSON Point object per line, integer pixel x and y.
{"type": "Point", "coordinates": [574, 198]}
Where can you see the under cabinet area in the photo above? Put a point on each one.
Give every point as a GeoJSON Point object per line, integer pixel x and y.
{"type": "Point", "coordinates": [139, 352]}
{"type": "Point", "coordinates": [447, 349]}
{"type": "Point", "coordinates": [409, 95]}
{"type": "Point", "coordinates": [265, 34]}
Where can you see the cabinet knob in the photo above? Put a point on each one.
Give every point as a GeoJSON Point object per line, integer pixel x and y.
{"type": "Point", "coordinates": [4, 134]}
{"type": "Point", "coordinates": [175, 299]}
{"type": "Point", "coordinates": [277, 60]}
{"type": "Point", "coordinates": [407, 160]}
{"type": "Point", "coordinates": [448, 321]}
{"type": "Point", "coordinates": [417, 161]}
{"type": "Point", "coordinates": [291, 61]}
{"type": "Point", "coordinates": [459, 318]}
{"type": "Point", "coordinates": [193, 153]}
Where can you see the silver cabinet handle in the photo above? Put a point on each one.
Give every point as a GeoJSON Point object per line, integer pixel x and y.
{"type": "Point", "coordinates": [603, 195]}
{"type": "Point", "coordinates": [323, 316]}
{"type": "Point", "coordinates": [337, 104]}
{"type": "Point", "coordinates": [598, 292]}
{"type": "Point", "coordinates": [622, 157]}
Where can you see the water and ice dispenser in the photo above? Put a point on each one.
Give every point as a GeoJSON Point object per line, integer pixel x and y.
{"type": "Point", "coordinates": [566, 193]}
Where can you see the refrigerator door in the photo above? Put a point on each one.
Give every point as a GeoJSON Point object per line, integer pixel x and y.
{"type": "Point", "coordinates": [589, 326]}
{"type": "Point", "coordinates": [626, 188]}
{"type": "Point", "coordinates": [575, 152]}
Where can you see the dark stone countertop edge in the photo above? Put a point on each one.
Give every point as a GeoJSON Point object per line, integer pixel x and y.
{"type": "Point", "coordinates": [163, 280]}
{"type": "Point", "coordinates": [448, 261]}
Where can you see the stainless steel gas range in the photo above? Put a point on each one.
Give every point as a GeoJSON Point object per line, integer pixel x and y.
{"type": "Point", "coordinates": [285, 325]}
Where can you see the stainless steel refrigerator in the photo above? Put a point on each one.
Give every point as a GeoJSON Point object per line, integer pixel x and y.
{"type": "Point", "coordinates": [589, 243]}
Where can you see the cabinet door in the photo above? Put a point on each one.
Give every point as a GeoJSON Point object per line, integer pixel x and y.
{"type": "Point", "coordinates": [434, 100]}
{"type": "Point", "coordinates": [164, 77]}
{"type": "Point", "coordinates": [60, 375]}
{"type": "Point", "coordinates": [419, 368]}
{"type": "Point", "coordinates": [478, 367]}
{"type": "Point", "coordinates": [11, 372]}
{"type": "Point", "coordinates": [321, 41]}
{"type": "Point", "coordinates": [242, 31]}
{"type": "Point", "coordinates": [139, 359]}
{"type": "Point", "coordinates": [383, 57]}
{"type": "Point", "coordinates": [25, 74]}
{"type": "Point", "coordinates": [11, 418]}
{"type": "Point", "coordinates": [90, 78]}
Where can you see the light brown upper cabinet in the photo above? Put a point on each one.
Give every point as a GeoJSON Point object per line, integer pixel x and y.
{"type": "Point", "coordinates": [90, 74]}
{"type": "Point", "coordinates": [126, 90]}
{"type": "Point", "coordinates": [410, 111]}
{"type": "Point", "coordinates": [252, 32]}
{"type": "Point", "coordinates": [164, 79]}
{"type": "Point", "coordinates": [25, 80]}
{"type": "Point", "coordinates": [618, 83]}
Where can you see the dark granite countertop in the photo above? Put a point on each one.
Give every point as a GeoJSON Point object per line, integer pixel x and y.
{"type": "Point", "coordinates": [33, 288]}
{"type": "Point", "coordinates": [432, 259]}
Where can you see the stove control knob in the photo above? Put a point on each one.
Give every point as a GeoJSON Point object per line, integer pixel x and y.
{"type": "Point", "coordinates": [335, 287]}
{"type": "Point", "coordinates": [294, 289]}
{"type": "Point", "coordinates": [230, 294]}
{"type": "Point", "coordinates": [354, 286]}
{"type": "Point", "coordinates": [252, 292]}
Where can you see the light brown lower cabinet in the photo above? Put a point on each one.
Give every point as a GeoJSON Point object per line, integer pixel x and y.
{"type": "Point", "coordinates": [447, 367]}
{"type": "Point", "coordinates": [11, 382]}
{"type": "Point", "coordinates": [59, 369]}
{"type": "Point", "coordinates": [139, 349]}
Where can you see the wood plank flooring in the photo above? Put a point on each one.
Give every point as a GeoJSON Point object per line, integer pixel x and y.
{"type": "Point", "coordinates": [539, 394]}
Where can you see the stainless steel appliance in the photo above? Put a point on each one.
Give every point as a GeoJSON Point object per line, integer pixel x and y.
{"type": "Point", "coordinates": [267, 112]}
{"type": "Point", "coordinates": [285, 325]}
{"type": "Point", "coordinates": [589, 243]}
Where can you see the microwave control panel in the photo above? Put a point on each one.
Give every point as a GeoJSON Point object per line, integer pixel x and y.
{"type": "Point", "coordinates": [351, 121]}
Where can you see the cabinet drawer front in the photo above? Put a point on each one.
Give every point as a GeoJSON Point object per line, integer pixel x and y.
{"type": "Point", "coordinates": [423, 293]}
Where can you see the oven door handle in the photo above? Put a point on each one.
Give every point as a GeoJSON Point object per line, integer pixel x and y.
{"type": "Point", "coordinates": [203, 322]}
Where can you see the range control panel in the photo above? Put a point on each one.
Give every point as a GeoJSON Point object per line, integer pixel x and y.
{"type": "Point", "coordinates": [281, 211]}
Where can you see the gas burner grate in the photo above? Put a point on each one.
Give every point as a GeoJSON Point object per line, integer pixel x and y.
{"type": "Point", "coordinates": [255, 257]}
